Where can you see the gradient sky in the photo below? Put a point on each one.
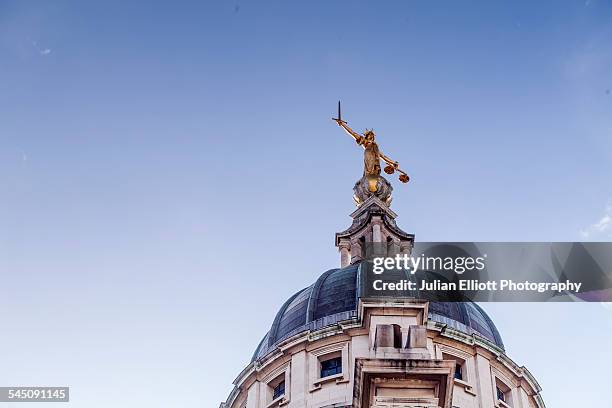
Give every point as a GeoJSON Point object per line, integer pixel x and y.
{"type": "Point", "coordinates": [169, 174]}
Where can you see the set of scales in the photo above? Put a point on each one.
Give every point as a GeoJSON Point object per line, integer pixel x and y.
{"type": "Point", "coordinates": [372, 155]}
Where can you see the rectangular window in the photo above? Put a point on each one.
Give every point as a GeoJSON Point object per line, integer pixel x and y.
{"type": "Point", "coordinates": [461, 371]}
{"type": "Point", "coordinates": [332, 366]}
{"type": "Point", "coordinates": [500, 394]}
{"type": "Point", "coordinates": [503, 393]}
{"type": "Point", "coordinates": [458, 371]}
{"type": "Point", "coordinates": [279, 390]}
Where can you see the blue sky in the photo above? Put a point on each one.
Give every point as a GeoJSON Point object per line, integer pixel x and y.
{"type": "Point", "coordinates": [169, 173]}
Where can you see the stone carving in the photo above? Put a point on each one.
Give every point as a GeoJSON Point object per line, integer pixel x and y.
{"type": "Point", "coordinates": [382, 190]}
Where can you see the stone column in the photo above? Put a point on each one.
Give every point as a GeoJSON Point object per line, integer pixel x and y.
{"type": "Point", "coordinates": [298, 385]}
{"type": "Point", "coordinates": [405, 248]}
{"type": "Point", "coordinates": [484, 383]}
{"type": "Point", "coordinates": [356, 251]}
{"type": "Point", "coordinates": [345, 253]}
{"type": "Point", "coordinates": [253, 396]}
{"type": "Point", "coordinates": [376, 230]}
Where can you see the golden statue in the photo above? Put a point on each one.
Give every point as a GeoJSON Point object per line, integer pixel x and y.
{"type": "Point", "coordinates": [372, 155]}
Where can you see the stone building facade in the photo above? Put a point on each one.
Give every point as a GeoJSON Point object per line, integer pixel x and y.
{"type": "Point", "coordinates": [330, 347]}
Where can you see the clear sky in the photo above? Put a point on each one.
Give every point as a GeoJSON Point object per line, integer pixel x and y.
{"type": "Point", "coordinates": [169, 174]}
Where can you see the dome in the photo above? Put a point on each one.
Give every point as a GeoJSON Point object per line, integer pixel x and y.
{"type": "Point", "coordinates": [334, 298]}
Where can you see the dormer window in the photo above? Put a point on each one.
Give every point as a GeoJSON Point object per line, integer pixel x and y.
{"type": "Point", "coordinates": [332, 366]}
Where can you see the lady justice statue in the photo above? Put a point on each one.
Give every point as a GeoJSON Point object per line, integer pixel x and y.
{"type": "Point", "coordinates": [372, 157]}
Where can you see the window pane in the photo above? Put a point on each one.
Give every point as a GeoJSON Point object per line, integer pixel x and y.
{"type": "Point", "coordinates": [500, 395]}
{"type": "Point", "coordinates": [458, 372]}
{"type": "Point", "coordinates": [331, 367]}
{"type": "Point", "coordinates": [279, 390]}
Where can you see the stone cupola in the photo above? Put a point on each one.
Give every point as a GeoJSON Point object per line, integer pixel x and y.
{"type": "Point", "coordinates": [373, 223]}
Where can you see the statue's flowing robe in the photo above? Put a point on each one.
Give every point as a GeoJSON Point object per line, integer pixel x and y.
{"type": "Point", "coordinates": [371, 160]}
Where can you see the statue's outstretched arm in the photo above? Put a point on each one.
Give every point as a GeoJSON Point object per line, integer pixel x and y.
{"type": "Point", "coordinates": [350, 131]}
{"type": "Point", "coordinates": [391, 163]}
{"type": "Point", "coordinates": [388, 160]}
